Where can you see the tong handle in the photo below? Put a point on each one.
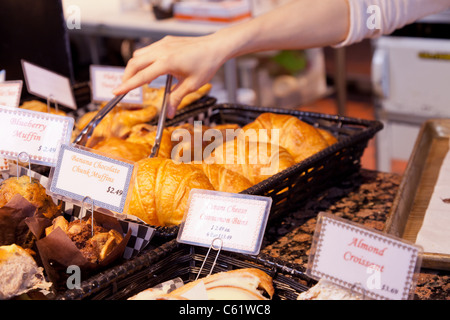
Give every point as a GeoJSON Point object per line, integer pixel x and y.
{"type": "Point", "coordinates": [162, 118]}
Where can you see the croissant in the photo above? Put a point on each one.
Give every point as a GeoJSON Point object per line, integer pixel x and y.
{"type": "Point", "coordinates": [299, 138]}
{"type": "Point", "coordinates": [145, 133]}
{"type": "Point", "coordinates": [223, 179]}
{"type": "Point", "coordinates": [117, 123]}
{"type": "Point", "coordinates": [255, 160]}
{"type": "Point", "coordinates": [161, 190]}
{"type": "Point", "coordinates": [120, 148]}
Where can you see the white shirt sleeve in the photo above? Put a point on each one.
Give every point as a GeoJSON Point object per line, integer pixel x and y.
{"type": "Point", "coordinates": [373, 18]}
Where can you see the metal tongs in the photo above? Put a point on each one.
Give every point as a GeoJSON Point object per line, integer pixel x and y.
{"type": "Point", "coordinates": [162, 118]}
{"type": "Point", "coordinates": [87, 131]}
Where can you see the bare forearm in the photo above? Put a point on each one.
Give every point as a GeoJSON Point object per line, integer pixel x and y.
{"type": "Point", "coordinates": [299, 24]}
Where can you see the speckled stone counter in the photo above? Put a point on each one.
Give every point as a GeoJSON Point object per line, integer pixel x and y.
{"type": "Point", "coordinates": [365, 198]}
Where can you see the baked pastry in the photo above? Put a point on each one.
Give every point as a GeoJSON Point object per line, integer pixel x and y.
{"type": "Point", "coordinates": [19, 272]}
{"type": "Point", "coordinates": [118, 122]}
{"type": "Point", "coordinates": [223, 179]}
{"type": "Point", "coordinates": [94, 248]}
{"type": "Point", "coordinates": [145, 133]}
{"type": "Point", "coordinates": [155, 96]}
{"type": "Point", "coordinates": [239, 284]}
{"type": "Point", "coordinates": [326, 290]}
{"type": "Point", "coordinates": [125, 149]}
{"type": "Point", "coordinates": [36, 105]}
{"type": "Point", "coordinates": [299, 138]}
{"type": "Point", "coordinates": [33, 191]}
{"type": "Point", "coordinates": [328, 136]}
{"type": "Point", "coordinates": [255, 160]}
{"type": "Point", "coordinates": [161, 190]}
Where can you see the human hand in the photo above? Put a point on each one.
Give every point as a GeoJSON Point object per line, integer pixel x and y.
{"type": "Point", "coordinates": [193, 61]}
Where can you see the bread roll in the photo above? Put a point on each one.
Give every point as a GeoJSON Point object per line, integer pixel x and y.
{"type": "Point", "coordinates": [299, 138]}
{"type": "Point", "coordinates": [256, 161]}
{"type": "Point", "coordinates": [239, 284]}
{"type": "Point", "coordinates": [161, 190]}
{"type": "Point", "coordinates": [19, 273]}
{"type": "Point", "coordinates": [326, 290]}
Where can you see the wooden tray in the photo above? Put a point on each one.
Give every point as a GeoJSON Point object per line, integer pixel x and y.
{"type": "Point", "coordinates": [417, 186]}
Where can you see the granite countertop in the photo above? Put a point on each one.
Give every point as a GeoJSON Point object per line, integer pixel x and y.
{"type": "Point", "coordinates": [365, 198]}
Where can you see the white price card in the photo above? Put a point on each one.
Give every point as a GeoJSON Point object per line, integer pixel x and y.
{"type": "Point", "coordinates": [39, 134]}
{"type": "Point", "coordinates": [239, 220]}
{"type": "Point", "coordinates": [48, 85]}
{"type": "Point", "coordinates": [10, 92]}
{"type": "Point", "coordinates": [370, 262]}
{"type": "Point", "coordinates": [104, 79]}
{"type": "Point", "coordinates": [80, 173]}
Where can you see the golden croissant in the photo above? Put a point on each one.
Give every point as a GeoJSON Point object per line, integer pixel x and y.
{"type": "Point", "coordinates": [223, 179]}
{"type": "Point", "coordinates": [255, 160]}
{"type": "Point", "coordinates": [299, 138]}
{"type": "Point", "coordinates": [161, 190]}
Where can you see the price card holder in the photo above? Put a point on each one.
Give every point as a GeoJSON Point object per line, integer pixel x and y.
{"type": "Point", "coordinates": [39, 134]}
{"type": "Point", "coordinates": [238, 220]}
{"type": "Point", "coordinates": [369, 262]}
{"type": "Point", "coordinates": [80, 173]}
{"type": "Point", "coordinates": [104, 79]}
{"type": "Point", "coordinates": [48, 85]}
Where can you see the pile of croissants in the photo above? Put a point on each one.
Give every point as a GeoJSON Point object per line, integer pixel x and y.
{"type": "Point", "coordinates": [218, 160]}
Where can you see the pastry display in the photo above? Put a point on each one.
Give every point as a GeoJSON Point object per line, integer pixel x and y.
{"type": "Point", "coordinates": [33, 191]}
{"type": "Point", "coordinates": [239, 284]}
{"type": "Point", "coordinates": [19, 272]}
{"type": "Point", "coordinates": [94, 248]}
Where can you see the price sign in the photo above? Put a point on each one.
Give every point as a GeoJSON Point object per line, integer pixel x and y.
{"type": "Point", "coordinates": [375, 264]}
{"type": "Point", "coordinates": [238, 220]}
{"type": "Point", "coordinates": [104, 79]}
{"type": "Point", "coordinates": [39, 134]}
{"type": "Point", "coordinates": [48, 85]}
{"type": "Point", "coordinates": [80, 173]}
{"type": "Point", "coordinates": [10, 92]}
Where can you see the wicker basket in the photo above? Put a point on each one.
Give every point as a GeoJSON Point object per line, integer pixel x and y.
{"type": "Point", "coordinates": [290, 188]}
{"type": "Point", "coordinates": [171, 260]}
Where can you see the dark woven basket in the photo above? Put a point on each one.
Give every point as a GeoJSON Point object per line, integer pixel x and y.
{"type": "Point", "coordinates": [171, 260]}
{"type": "Point", "coordinates": [290, 188]}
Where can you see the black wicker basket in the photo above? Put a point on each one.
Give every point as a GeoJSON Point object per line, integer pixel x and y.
{"type": "Point", "coordinates": [290, 188]}
{"type": "Point", "coordinates": [171, 260]}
